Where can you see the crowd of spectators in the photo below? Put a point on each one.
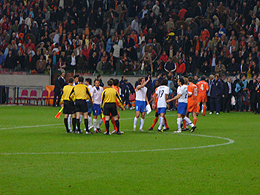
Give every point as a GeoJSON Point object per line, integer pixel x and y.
{"type": "Point", "coordinates": [131, 36]}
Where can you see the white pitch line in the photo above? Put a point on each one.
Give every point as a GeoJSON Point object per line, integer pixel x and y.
{"type": "Point", "coordinates": [22, 127]}
{"type": "Point", "coordinates": [230, 141]}
{"type": "Point", "coordinates": [47, 125]}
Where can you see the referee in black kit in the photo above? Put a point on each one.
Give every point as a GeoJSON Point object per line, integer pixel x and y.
{"type": "Point", "coordinates": [67, 102]}
{"type": "Point", "coordinates": [108, 104]}
{"type": "Point", "coordinates": [81, 93]}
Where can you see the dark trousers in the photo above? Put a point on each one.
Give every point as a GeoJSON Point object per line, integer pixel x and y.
{"type": "Point", "coordinates": [253, 102]}
{"type": "Point", "coordinates": [258, 103]}
{"type": "Point", "coordinates": [223, 101]}
{"type": "Point", "coordinates": [215, 103]}
{"type": "Point", "coordinates": [228, 102]}
{"type": "Point", "coordinates": [239, 103]}
{"type": "Point", "coordinates": [208, 103]}
{"type": "Point", "coordinates": [127, 101]}
{"type": "Point", "coordinates": [55, 98]}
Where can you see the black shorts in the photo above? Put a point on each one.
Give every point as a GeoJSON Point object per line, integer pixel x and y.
{"type": "Point", "coordinates": [81, 106]}
{"type": "Point", "coordinates": [69, 107]}
{"type": "Point", "coordinates": [110, 108]}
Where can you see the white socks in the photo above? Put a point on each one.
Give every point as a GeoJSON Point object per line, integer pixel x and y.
{"type": "Point", "coordinates": [99, 122]}
{"type": "Point", "coordinates": [69, 121]}
{"type": "Point", "coordinates": [179, 121]}
{"type": "Point", "coordinates": [141, 123]}
{"type": "Point", "coordinates": [161, 123]}
{"type": "Point", "coordinates": [188, 121]}
{"type": "Point", "coordinates": [95, 124]}
{"type": "Point", "coordinates": [135, 122]}
{"type": "Point", "coordinates": [89, 121]}
{"type": "Point", "coordinates": [80, 119]}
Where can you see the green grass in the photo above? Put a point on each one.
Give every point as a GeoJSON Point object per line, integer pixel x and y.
{"type": "Point", "coordinates": [38, 157]}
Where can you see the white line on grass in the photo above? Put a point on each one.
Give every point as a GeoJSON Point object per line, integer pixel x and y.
{"type": "Point", "coordinates": [230, 141]}
{"type": "Point", "coordinates": [47, 125]}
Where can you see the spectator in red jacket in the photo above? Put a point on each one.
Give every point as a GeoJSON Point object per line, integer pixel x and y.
{"type": "Point", "coordinates": [30, 44]}
{"type": "Point", "coordinates": [164, 57]}
{"type": "Point", "coordinates": [203, 34]}
{"type": "Point", "coordinates": [180, 67]}
{"type": "Point", "coordinates": [182, 12]}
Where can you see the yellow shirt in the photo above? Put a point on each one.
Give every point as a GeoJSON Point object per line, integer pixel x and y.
{"type": "Point", "coordinates": [110, 95]}
{"type": "Point", "coordinates": [66, 91]}
{"type": "Point", "coordinates": [81, 92]}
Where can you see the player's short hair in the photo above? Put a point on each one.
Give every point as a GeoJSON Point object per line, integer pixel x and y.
{"type": "Point", "coordinates": [96, 80]}
{"type": "Point", "coordinates": [190, 78]}
{"type": "Point", "coordinates": [115, 82]}
{"type": "Point", "coordinates": [71, 80]}
{"type": "Point", "coordinates": [81, 79]}
{"type": "Point", "coordinates": [99, 75]}
{"type": "Point", "coordinates": [89, 80]}
{"type": "Point", "coordinates": [164, 82]}
{"type": "Point", "coordinates": [203, 77]}
{"type": "Point", "coordinates": [109, 83]}
{"type": "Point", "coordinates": [181, 80]}
{"type": "Point", "coordinates": [185, 80]}
{"type": "Point", "coordinates": [75, 76]}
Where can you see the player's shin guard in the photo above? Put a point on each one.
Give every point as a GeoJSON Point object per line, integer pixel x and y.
{"type": "Point", "coordinates": [204, 110]}
{"type": "Point", "coordinates": [89, 121]}
{"type": "Point", "coordinates": [179, 121]}
{"type": "Point", "coordinates": [114, 124]}
{"type": "Point", "coordinates": [188, 121]}
{"type": "Point", "coordinates": [165, 122]}
{"type": "Point", "coordinates": [160, 123]}
{"type": "Point", "coordinates": [69, 121]}
{"type": "Point", "coordinates": [74, 123]}
{"type": "Point", "coordinates": [99, 123]}
{"type": "Point", "coordinates": [194, 120]}
{"type": "Point", "coordinates": [66, 124]}
{"type": "Point", "coordinates": [107, 126]}
{"type": "Point", "coordinates": [141, 123]}
{"type": "Point", "coordinates": [135, 122]}
{"type": "Point", "coordinates": [80, 119]}
{"type": "Point", "coordinates": [95, 124]}
{"type": "Point", "coordinates": [154, 122]}
{"type": "Point", "coordinates": [117, 125]}
{"type": "Point", "coordinates": [86, 124]}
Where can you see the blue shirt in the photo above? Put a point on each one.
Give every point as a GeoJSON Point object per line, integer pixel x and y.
{"type": "Point", "coordinates": [245, 84]}
{"type": "Point", "coordinates": [238, 88]}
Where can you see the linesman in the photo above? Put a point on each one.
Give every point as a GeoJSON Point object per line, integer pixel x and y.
{"type": "Point", "coordinates": [81, 93]}
{"type": "Point", "coordinates": [67, 102]}
{"type": "Point", "coordinates": [108, 104]}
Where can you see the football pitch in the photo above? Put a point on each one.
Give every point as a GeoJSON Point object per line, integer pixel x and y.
{"type": "Point", "coordinates": [222, 156]}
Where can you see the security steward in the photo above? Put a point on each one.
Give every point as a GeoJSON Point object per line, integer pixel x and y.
{"type": "Point", "coordinates": [67, 102]}
{"type": "Point", "coordinates": [108, 104]}
{"type": "Point", "coordinates": [81, 93]}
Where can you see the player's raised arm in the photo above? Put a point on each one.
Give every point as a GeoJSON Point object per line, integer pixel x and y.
{"type": "Point", "coordinates": [143, 84]}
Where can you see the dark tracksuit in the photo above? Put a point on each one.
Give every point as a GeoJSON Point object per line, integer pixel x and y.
{"type": "Point", "coordinates": [215, 95]}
